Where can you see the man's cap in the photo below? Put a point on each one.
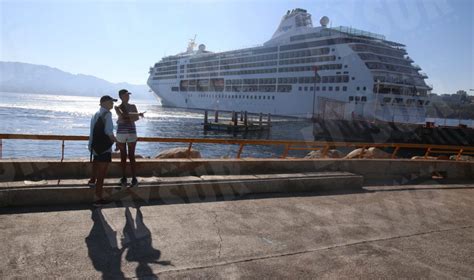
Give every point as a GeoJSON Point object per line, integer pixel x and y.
{"type": "Point", "coordinates": [107, 98]}
{"type": "Point", "coordinates": [123, 91]}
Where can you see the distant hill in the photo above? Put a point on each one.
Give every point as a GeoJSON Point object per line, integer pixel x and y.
{"type": "Point", "coordinates": [31, 78]}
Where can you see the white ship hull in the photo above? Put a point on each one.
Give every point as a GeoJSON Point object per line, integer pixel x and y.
{"type": "Point", "coordinates": [296, 105]}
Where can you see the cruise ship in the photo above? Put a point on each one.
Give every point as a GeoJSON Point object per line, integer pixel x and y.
{"type": "Point", "coordinates": [323, 72]}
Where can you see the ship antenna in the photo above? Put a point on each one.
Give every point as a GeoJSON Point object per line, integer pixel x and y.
{"type": "Point", "coordinates": [191, 44]}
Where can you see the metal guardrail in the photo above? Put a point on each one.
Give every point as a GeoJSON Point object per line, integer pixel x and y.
{"type": "Point", "coordinates": [288, 145]}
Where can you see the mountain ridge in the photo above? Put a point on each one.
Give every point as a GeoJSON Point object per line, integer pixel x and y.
{"type": "Point", "coordinates": [20, 77]}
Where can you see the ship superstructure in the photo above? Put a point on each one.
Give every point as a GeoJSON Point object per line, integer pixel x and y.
{"type": "Point", "coordinates": [302, 71]}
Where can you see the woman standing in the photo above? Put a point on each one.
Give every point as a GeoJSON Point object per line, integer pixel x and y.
{"type": "Point", "coordinates": [127, 135]}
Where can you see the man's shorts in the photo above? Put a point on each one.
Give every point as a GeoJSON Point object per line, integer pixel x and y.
{"type": "Point", "coordinates": [126, 137]}
{"type": "Point", "coordinates": [105, 157]}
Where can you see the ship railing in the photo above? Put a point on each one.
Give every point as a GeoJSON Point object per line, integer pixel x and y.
{"type": "Point", "coordinates": [358, 32]}
{"type": "Point", "coordinates": [288, 145]}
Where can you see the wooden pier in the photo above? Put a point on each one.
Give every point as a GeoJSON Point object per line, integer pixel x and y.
{"type": "Point", "coordinates": [238, 122]}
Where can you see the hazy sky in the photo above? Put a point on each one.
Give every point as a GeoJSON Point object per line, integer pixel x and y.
{"type": "Point", "coordinates": [119, 40]}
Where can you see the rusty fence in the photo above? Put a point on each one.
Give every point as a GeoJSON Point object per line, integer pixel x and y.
{"type": "Point", "coordinates": [287, 145]}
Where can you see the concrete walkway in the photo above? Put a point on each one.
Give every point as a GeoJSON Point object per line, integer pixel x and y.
{"type": "Point", "coordinates": [424, 231]}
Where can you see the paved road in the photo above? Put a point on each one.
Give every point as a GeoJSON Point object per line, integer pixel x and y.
{"type": "Point", "coordinates": [384, 232]}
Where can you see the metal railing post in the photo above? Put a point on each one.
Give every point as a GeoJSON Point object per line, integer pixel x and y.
{"type": "Point", "coordinates": [241, 147]}
{"type": "Point", "coordinates": [325, 150]}
{"type": "Point", "coordinates": [395, 152]}
{"type": "Point", "coordinates": [62, 152]}
{"type": "Point", "coordinates": [285, 152]}
{"type": "Point", "coordinates": [458, 156]}
{"type": "Point", "coordinates": [188, 152]}
{"type": "Point", "coordinates": [427, 152]}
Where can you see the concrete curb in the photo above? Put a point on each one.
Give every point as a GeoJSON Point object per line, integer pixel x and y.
{"type": "Point", "coordinates": [395, 172]}
{"type": "Point", "coordinates": [206, 188]}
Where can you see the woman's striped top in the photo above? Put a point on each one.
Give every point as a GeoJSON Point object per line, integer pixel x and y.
{"type": "Point", "coordinates": [124, 124]}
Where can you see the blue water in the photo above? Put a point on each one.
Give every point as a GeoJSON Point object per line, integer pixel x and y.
{"type": "Point", "coordinates": [70, 115]}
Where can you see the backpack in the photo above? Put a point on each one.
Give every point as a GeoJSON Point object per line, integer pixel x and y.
{"type": "Point", "coordinates": [101, 142]}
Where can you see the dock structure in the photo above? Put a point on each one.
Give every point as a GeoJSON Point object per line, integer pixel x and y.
{"type": "Point", "coordinates": [238, 122]}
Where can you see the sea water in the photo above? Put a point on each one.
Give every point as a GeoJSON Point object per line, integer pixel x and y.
{"type": "Point", "coordinates": [26, 113]}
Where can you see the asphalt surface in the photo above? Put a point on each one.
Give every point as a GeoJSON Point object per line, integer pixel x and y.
{"type": "Point", "coordinates": [424, 231]}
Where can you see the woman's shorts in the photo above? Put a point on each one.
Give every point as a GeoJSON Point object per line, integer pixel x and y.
{"type": "Point", "coordinates": [126, 137]}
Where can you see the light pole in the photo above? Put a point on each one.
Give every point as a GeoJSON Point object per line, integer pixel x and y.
{"type": "Point", "coordinates": [376, 99]}
{"type": "Point", "coordinates": [315, 68]}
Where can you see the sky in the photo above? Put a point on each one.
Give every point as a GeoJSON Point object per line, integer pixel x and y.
{"type": "Point", "coordinates": [119, 40]}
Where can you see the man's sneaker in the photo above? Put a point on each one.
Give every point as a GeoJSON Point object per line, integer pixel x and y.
{"type": "Point", "coordinates": [123, 182]}
{"type": "Point", "coordinates": [134, 182]}
{"type": "Point", "coordinates": [100, 203]}
{"type": "Point", "coordinates": [91, 184]}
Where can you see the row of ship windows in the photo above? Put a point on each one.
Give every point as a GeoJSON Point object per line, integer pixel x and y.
{"type": "Point", "coordinates": [260, 64]}
{"type": "Point", "coordinates": [166, 69]}
{"type": "Point", "coordinates": [357, 98]}
{"type": "Point", "coordinates": [398, 79]}
{"type": "Point", "coordinates": [361, 45]}
{"type": "Point", "coordinates": [302, 53]}
{"type": "Point", "coordinates": [235, 53]}
{"type": "Point", "coordinates": [290, 80]}
{"type": "Point", "coordinates": [262, 88]}
{"type": "Point", "coordinates": [266, 81]}
{"type": "Point", "coordinates": [378, 50]}
{"type": "Point", "coordinates": [324, 88]}
{"type": "Point", "coordinates": [280, 88]}
{"type": "Point", "coordinates": [250, 62]}
{"type": "Point", "coordinates": [236, 96]}
{"type": "Point", "coordinates": [400, 90]}
{"type": "Point", "coordinates": [394, 68]}
{"type": "Point", "coordinates": [398, 100]}
{"type": "Point", "coordinates": [265, 71]}
{"type": "Point", "coordinates": [249, 59]}
{"type": "Point", "coordinates": [308, 52]}
{"type": "Point", "coordinates": [371, 56]}
{"type": "Point", "coordinates": [164, 73]}
{"type": "Point", "coordinates": [273, 70]}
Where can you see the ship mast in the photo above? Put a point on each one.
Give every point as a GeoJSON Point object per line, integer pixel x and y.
{"type": "Point", "coordinates": [191, 45]}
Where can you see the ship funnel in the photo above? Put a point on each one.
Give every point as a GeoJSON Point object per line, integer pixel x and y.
{"type": "Point", "coordinates": [293, 20]}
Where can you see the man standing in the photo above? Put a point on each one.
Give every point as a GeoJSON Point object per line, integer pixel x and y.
{"type": "Point", "coordinates": [101, 139]}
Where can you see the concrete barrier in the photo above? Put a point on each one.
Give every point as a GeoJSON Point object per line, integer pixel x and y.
{"type": "Point", "coordinates": [178, 189]}
{"type": "Point", "coordinates": [374, 171]}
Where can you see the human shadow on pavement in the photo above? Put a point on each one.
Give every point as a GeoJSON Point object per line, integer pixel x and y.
{"type": "Point", "coordinates": [103, 248]}
{"type": "Point", "coordinates": [137, 239]}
